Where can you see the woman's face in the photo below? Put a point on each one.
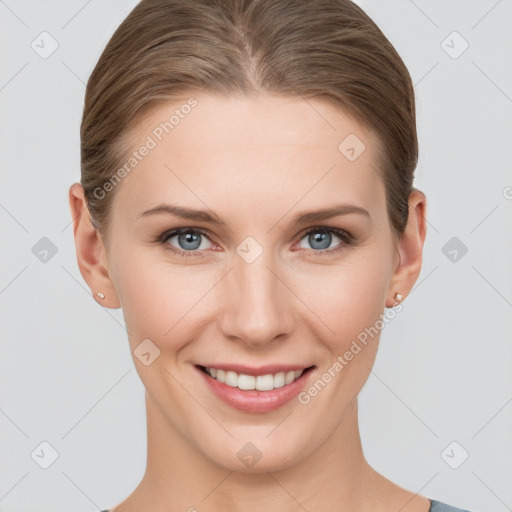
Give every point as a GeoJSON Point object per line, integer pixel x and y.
{"type": "Point", "coordinates": [246, 288]}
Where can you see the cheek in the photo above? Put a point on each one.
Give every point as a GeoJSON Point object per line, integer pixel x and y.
{"type": "Point", "coordinates": [351, 302]}
{"type": "Point", "coordinates": [347, 298]}
{"type": "Point", "coordinates": [159, 299]}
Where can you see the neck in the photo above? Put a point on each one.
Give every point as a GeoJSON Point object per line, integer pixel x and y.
{"type": "Point", "coordinates": [334, 477]}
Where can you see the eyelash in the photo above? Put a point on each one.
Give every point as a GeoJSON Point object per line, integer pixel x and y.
{"type": "Point", "coordinates": [347, 240]}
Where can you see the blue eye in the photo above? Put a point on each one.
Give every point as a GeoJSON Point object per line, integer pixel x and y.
{"type": "Point", "coordinates": [192, 242]}
{"type": "Point", "coordinates": [188, 239]}
{"type": "Point", "coordinates": [320, 238]}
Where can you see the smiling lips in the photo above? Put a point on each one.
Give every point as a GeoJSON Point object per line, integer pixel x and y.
{"type": "Point", "coordinates": [255, 390]}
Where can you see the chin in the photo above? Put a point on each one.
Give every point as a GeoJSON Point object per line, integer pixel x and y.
{"type": "Point", "coordinates": [258, 454]}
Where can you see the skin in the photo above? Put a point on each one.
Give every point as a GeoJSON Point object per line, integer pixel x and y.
{"type": "Point", "coordinates": [256, 162]}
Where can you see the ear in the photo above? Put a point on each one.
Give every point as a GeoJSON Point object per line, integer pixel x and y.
{"type": "Point", "coordinates": [90, 250]}
{"type": "Point", "coordinates": [410, 249]}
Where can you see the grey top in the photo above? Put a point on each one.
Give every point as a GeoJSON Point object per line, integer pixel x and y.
{"type": "Point", "coordinates": [438, 506]}
{"type": "Point", "coordinates": [435, 506]}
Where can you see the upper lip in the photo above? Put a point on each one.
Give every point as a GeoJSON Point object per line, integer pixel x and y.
{"type": "Point", "coordinates": [260, 370]}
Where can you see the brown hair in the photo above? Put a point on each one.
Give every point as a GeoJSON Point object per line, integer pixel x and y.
{"type": "Point", "coordinates": [327, 49]}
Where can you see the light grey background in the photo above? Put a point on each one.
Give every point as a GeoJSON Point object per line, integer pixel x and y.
{"type": "Point", "coordinates": [443, 371]}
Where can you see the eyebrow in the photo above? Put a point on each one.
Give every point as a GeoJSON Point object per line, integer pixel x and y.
{"type": "Point", "coordinates": [301, 218]}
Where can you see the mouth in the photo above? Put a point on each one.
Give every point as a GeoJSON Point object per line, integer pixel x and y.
{"type": "Point", "coordinates": [256, 389]}
{"type": "Point", "coordinates": [266, 382]}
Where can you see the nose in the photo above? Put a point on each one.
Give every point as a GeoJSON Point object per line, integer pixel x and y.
{"type": "Point", "coordinates": [255, 302]}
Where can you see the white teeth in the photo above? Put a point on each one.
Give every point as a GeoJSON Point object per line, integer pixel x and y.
{"type": "Point", "coordinates": [279, 381]}
{"type": "Point", "coordinates": [246, 382]}
{"type": "Point", "coordinates": [231, 379]}
{"type": "Point", "coordinates": [290, 377]}
{"type": "Point", "coordinates": [265, 382]}
{"type": "Point", "coordinates": [261, 382]}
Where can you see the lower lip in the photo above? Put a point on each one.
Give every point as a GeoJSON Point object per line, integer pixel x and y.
{"type": "Point", "coordinates": [254, 400]}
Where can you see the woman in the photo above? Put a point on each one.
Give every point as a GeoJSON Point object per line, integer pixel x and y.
{"type": "Point", "coordinates": [246, 199]}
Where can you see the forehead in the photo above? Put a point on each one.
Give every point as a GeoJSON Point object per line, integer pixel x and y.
{"type": "Point", "coordinates": [250, 152]}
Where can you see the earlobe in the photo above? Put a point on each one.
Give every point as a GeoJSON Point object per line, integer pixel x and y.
{"type": "Point", "coordinates": [90, 251]}
{"type": "Point", "coordinates": [410, 248]}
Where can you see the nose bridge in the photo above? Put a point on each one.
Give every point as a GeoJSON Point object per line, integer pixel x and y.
{"type": "Point", "coordinates": [256, 304]}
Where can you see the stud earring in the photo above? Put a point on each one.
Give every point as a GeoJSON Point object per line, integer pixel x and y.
{"type": "Point", "coordinates": [398, 296]}
{"type": "Point", "coordinates": [101, 295]}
